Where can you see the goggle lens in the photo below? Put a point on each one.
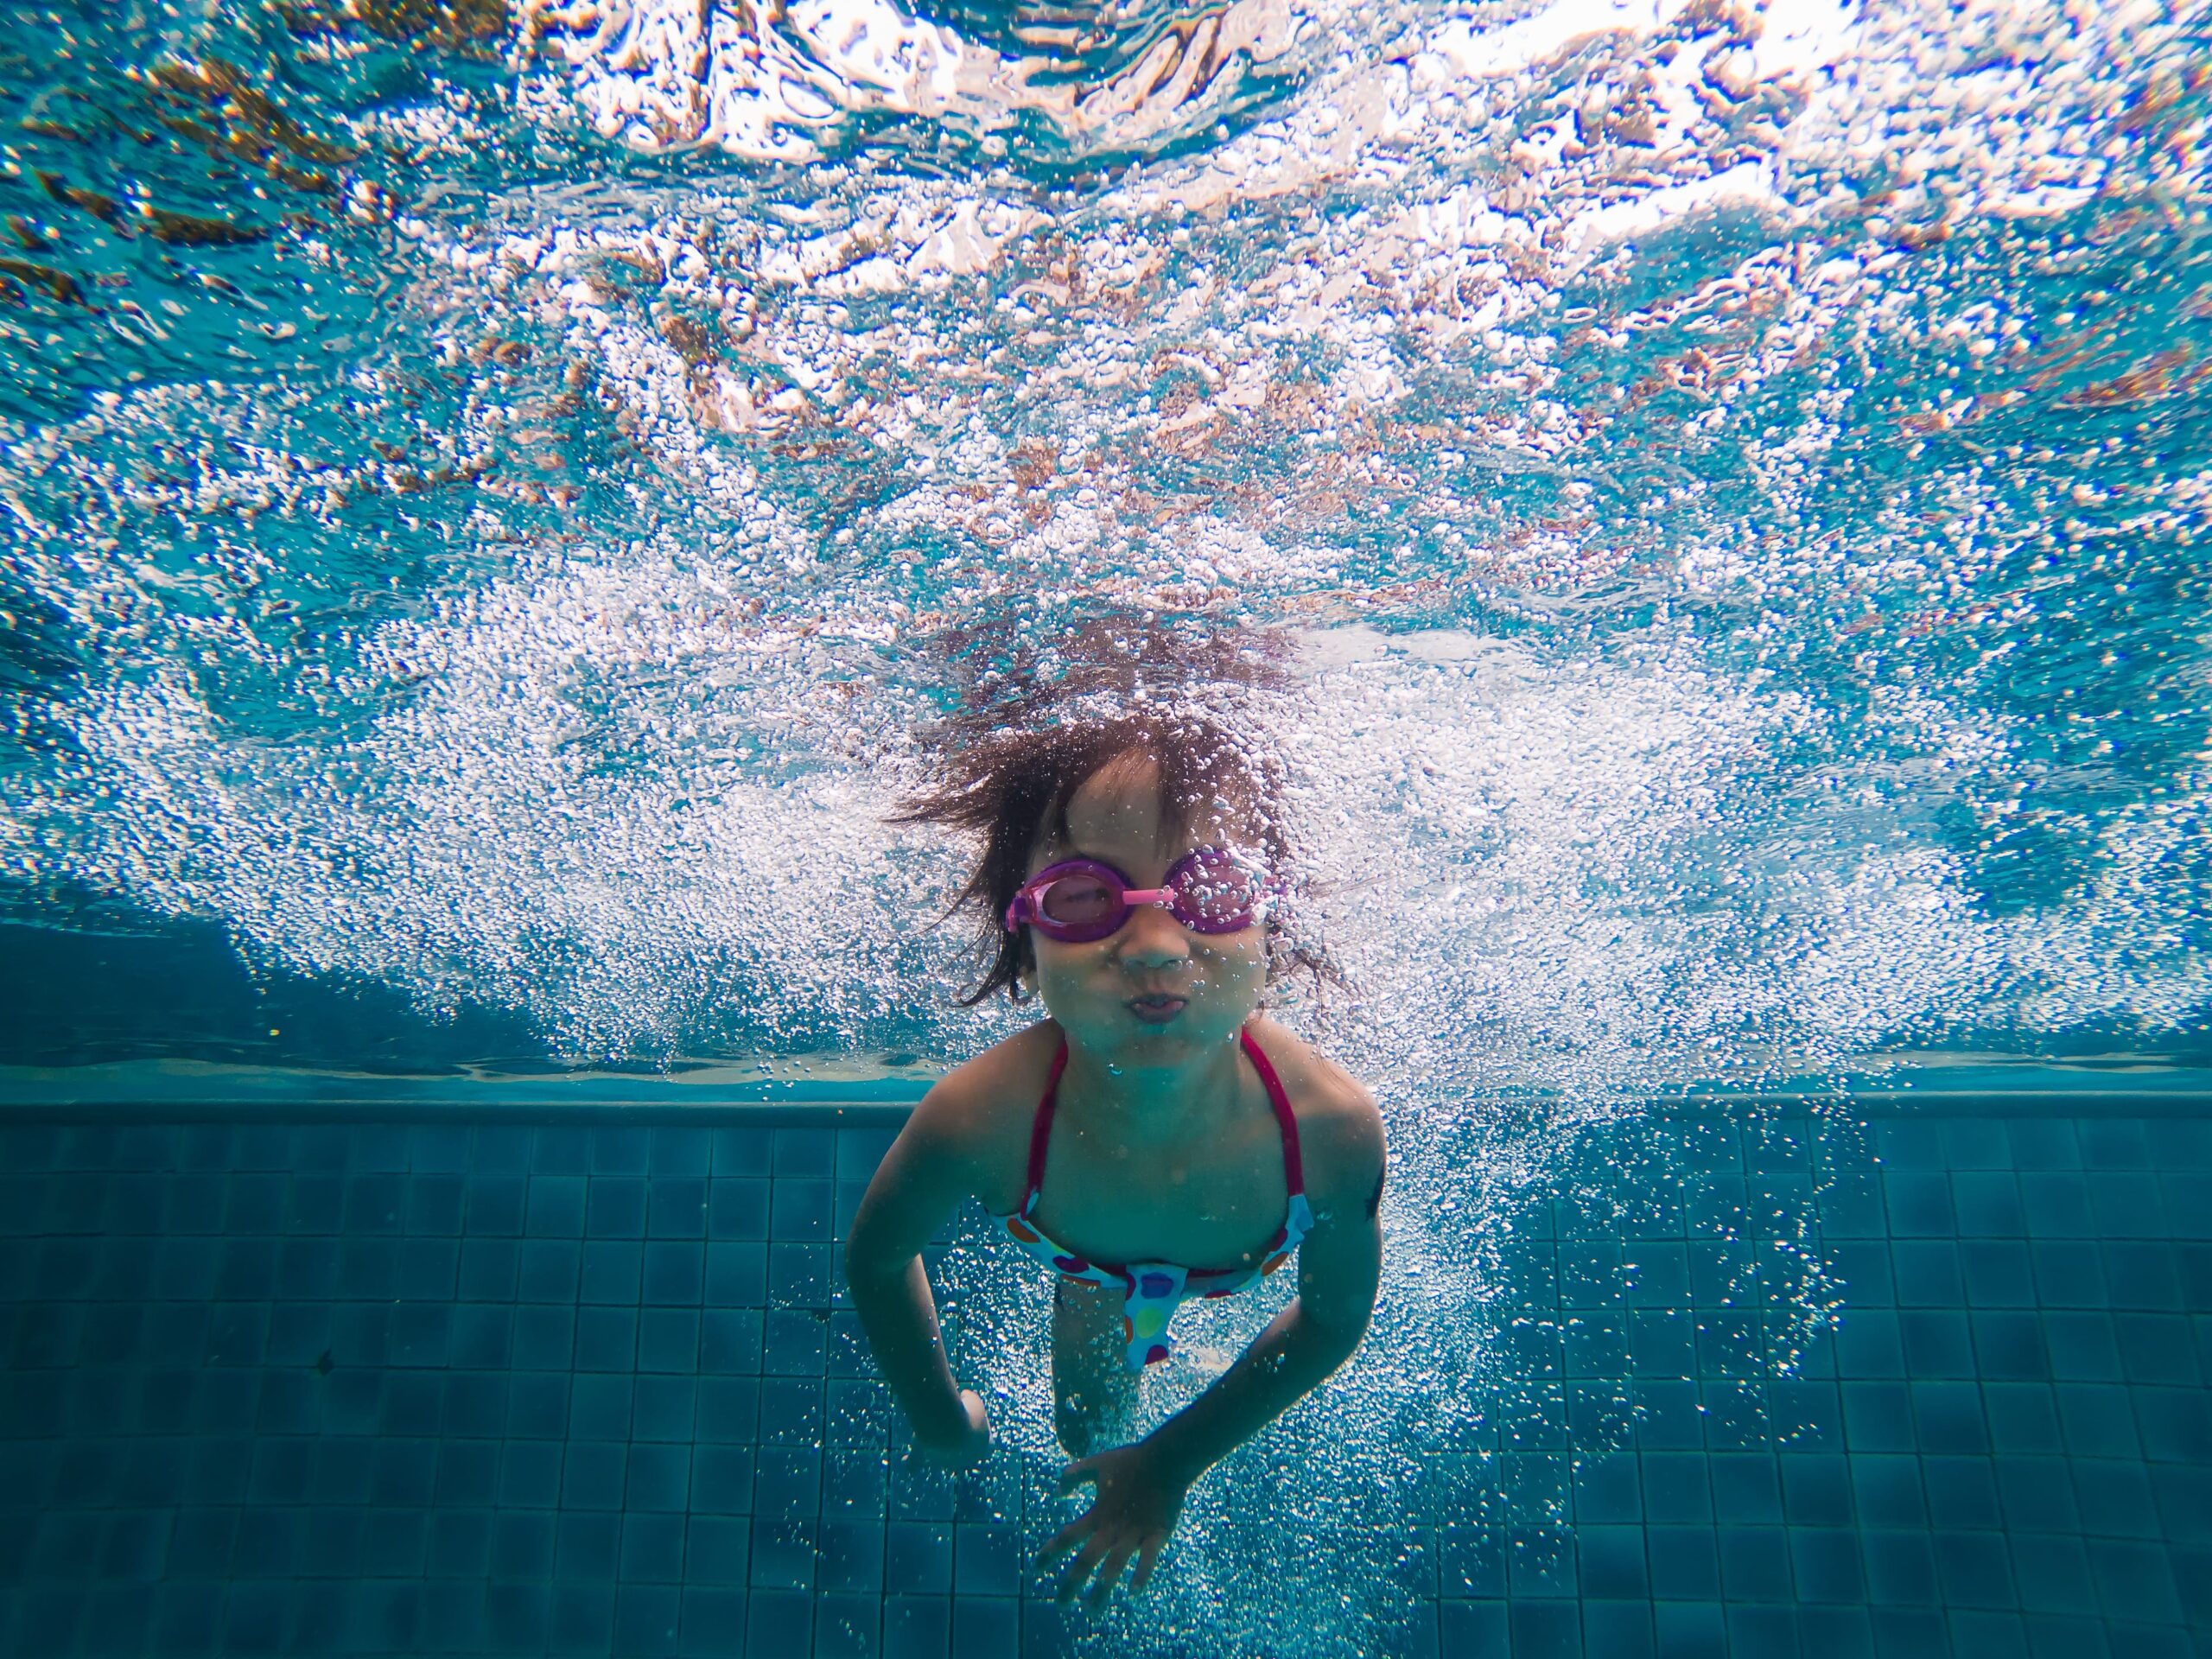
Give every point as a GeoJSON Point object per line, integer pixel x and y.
{"type": "Point", "coordinates": [1215, 894]}
{"type": "Point", "coordinates": [1078, 901]}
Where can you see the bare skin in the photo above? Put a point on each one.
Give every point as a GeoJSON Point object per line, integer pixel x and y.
{"type": "Point", "coordinates": [1164, 1148]}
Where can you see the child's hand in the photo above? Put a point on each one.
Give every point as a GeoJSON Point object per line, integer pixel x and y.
{"type": "Point", "coordinates": [1139, 1501]}
{"type": "Point", "coordinates": [971, 1445]}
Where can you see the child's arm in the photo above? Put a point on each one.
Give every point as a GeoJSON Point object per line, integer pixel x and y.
{"type": "Point", "coordinates": [929, 1169]}
{"type": "Point", "coordinates": [1339, 1266]}
{"type": "Point", "coordinates": [1140, 1487]}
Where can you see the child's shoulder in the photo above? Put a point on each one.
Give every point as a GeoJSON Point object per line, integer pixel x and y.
{"type": "Point", "coordinates": [1008, 1073]}
{"type": "Point", "coordinates": [1339, 1126]}
{"type": "Point", "coordinates": [986, 1104]}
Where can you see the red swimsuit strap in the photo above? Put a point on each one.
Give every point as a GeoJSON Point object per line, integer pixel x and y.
{"type": "Point", "coordinates": [1040, 1127]}
{"type": "Point", "coordinates": [1293, 1166]}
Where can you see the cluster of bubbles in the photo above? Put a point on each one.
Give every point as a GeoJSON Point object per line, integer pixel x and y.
{"type": "Point", "coordinates": [491, 490]}
{"type": "Point", "coordinates": [1735, 468]}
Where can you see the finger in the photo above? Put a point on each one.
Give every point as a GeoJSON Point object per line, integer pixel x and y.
{"type": "Point", "coordinates": [1109, 1576]}
{"type": "Point", "coordinates": [1147, 1558]}
{"type": "Point", "coordinates": [1071, 1581]}
{"type": "Point", "coordinates": [1086, 1561]}
{"type": "Point", "coordinates": [1076, 1473]}
{"type": "Point", "coordinates": [1065, 1540]}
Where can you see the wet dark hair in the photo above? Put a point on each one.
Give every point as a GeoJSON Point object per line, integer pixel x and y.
{"type": "Point", "coordinates": [1032, 727]}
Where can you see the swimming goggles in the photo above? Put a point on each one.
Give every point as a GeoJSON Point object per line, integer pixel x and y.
{"type": "Point", "coordinates": [1211, 890]}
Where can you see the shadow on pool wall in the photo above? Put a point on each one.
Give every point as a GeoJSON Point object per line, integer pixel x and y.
{"type": "Point", "coordinates": [493, 1389]}
{"type": "Point", "coordinates": [148, 988]}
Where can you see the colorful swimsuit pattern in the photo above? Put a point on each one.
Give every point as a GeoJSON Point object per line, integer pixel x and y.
{"type": "Point", "coordinates": [1153, 1290]}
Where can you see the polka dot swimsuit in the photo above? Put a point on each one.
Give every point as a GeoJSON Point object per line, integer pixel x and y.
{"type": "Point", "coordinates": [1153, 1290]}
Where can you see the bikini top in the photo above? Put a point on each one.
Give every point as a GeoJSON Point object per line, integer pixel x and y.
{"type": "Point", "coordinates": [1153, 1290]}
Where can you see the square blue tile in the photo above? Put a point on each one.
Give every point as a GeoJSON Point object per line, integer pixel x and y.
{"type": "Point", "coordinates": [712, 1622]}
{"type": "Point", "coordinates": [1618, 1629]}
{"type": "Point", "coordinates": [652, 1550]}
{"type": "Point", "coordinates": [2045, 1144]}
{"type": "Point", "coordinates": [848, 1626]}
{"type": "Point", "coordinates": [2057, 1206]}
{"type": "Point", "coordinates": [718, 1550]}
{"type": "Point", "coordinates": [850, 1557]}
{"type": "Point", "coordinates": [611, 1272]}
{"type": "Point", "coordinates": [2115, 1498]}
{"type": "Point", "coordinates": [1540, 1561]}
{"type": "Point", "coordinates": [1472, 1560]}
{"type": "Point", "coordinates": [615, 1207]}
{"type": "Point", "coordinates": [1977, 1635]}
{"type": "Point", "coordinates": [1918, 1203]}
{"type": "Point", "coordinates": [677, 1207]}
{"type": "Point", "coordinates": [592, 1474]}
{"type": "Point", "coordinates": [1470, 1630]}
{"type": "Point", "coordinates": [1684, 1563]}
{"type": "Point", "coordinates": [2097, 1420]}
{"type": "Point", "coordinates": [668, 1340]}
{"type": "Point", "coordinates": [1755, 1564]}
{"type": "Point", "coordinates": [784, 1554]}
{"type": "Point", "coordinates": [2083, 1346]}
{"type": "Point", "coordinates": [649, 1618]}
{"type": "Point", "coordinates": [984, 1627]}
{"type": "Point", "coordinates": [530, 1474]}
{"type": "Point", "coordinates": [916, 1627]}
{"type": "Point", "coordinates": [2064, 1638]}
{"type": "Point", "coordinates": [1974, 1569]}
{"type": "Point", "coordinates": [581, 1617]}
{"type": "Point", "coordinates": [2144, 1275]}
{"type": "Point", "coordinates": [1612, 1562]}
{"type": "Point", "coordinates": [805, 1153]}
{"type": "Point", "coordinates": [587, 1548]}
{"type": "Point", "coordinates": [544, 1338]}
{"type": "Point", "coordinates": [1757, 1632]}
{"type": "Point", "coordinates": [1690, 1630]}
{"type": "Point", "coordinates": [2156, 1348]}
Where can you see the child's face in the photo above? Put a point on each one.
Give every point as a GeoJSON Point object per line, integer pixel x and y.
{"type": "Point", "coordinates": [1116, 996]}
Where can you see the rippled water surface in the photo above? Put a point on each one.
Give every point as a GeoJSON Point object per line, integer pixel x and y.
{"type": "Point", "coordinates": [486, 491]}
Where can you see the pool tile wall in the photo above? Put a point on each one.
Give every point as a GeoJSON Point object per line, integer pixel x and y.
{"type": "Point", "coordinates": [500, 1389]}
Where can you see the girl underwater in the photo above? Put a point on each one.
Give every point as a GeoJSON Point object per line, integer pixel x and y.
{"type": "Point", "coordinates": [1154, 1139]}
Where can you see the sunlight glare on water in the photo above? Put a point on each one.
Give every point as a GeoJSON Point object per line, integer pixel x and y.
{"type": "Point", "coordinates": [490, 484]}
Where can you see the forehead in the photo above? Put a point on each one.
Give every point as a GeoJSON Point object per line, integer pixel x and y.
{"type": "Point", "coordinates": [1124, 804]}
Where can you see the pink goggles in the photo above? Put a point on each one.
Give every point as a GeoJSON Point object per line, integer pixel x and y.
{"type": "Point", "coordinates": [1079, 899]}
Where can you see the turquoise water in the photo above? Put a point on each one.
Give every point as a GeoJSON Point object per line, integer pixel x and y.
{"type": "Point", "coordinates": [482, 484]}
{"type": "Point", "coordinates": [489, 495]}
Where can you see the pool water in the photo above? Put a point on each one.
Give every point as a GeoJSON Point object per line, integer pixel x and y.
{"type": "Point", "coordinates": [492, 495]}
{"type": "Point", "coordinates": [483, 482]}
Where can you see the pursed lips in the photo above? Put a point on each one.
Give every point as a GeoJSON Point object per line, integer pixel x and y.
{"type": "Point", "coordinates": [1156, 1005]}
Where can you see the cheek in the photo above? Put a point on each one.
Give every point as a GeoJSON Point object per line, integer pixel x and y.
{"type": "Point", "coordinates": [1232, 953]}
{"type": "Point", "coordinates": [1060, 964]}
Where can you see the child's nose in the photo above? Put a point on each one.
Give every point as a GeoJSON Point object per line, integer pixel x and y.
{"type": "Point", "coordinates": [1152, 938]}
